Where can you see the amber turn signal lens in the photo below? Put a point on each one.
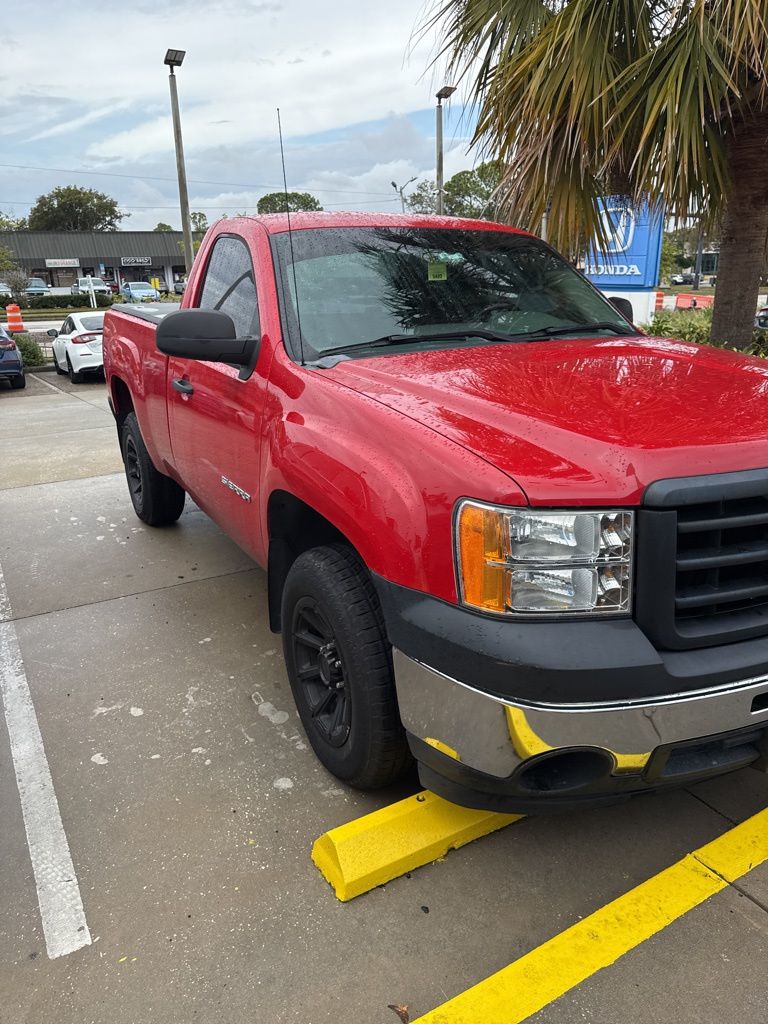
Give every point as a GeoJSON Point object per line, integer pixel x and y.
{"type": "Point", "coordinates": [481, 558]}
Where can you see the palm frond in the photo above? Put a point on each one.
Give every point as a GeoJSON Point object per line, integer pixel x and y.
{"type": "Point", "coordinates": [580, 98]}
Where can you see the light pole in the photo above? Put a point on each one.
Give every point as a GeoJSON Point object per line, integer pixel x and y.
{"type": "Point", "coordinates": [443, 94]}
{"type": "Point", "coordinates": [400, 189]}
{"type": "Point", "coordinates": [174, 59]}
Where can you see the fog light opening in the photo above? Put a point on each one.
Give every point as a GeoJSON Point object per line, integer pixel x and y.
{"type": "Point", "coordinates": [564, 772]}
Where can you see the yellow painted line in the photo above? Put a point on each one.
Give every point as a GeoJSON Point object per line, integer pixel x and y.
{"type": "Point", "coordinates": [552, 969]}
{"type": "Point", "coordinates": [369, 851]}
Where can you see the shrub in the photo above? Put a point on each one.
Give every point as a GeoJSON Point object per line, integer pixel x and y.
{"type": "Point", "coordinates": [695, 326]}
{"type": "Point", "coordinates": [31, 353]}
{"type": "Point", "coordinates": [66, 301]}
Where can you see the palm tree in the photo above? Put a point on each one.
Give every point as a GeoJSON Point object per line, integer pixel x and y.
{"type": "Point", "coordinates": [658, 99]}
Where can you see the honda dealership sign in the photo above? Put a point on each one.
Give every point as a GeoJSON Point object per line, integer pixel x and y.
{"type": "Point", "coordinates": [633, 254]}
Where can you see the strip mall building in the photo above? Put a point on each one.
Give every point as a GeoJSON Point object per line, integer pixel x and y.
{"type": "Point", "coordinates": [60, 257]}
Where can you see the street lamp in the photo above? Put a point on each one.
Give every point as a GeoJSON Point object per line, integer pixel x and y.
{"type": "Point", "coordinates": [443, 94]}
{"type": "Point", "coordinates": [400, 189]}
{"type": "Point", "coordinates": [174, 59]}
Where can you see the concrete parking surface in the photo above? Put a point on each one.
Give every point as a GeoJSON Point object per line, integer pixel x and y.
{"type": "Point", "coordinates": [190, 799]}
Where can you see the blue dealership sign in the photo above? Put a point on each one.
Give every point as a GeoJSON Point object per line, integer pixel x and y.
{"type": "Point", "coordinates": [632, 257]}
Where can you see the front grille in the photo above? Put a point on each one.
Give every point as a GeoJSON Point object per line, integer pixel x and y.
{"type": "Point", "coordinates": [703, 569]}
{"type": "Point", "coordinates": [722, 561]}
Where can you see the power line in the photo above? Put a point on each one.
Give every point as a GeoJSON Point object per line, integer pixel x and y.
{"type": "Point", "coordinates": [175, 206]}
{"type": "Point", "coordinates": [194, 181]}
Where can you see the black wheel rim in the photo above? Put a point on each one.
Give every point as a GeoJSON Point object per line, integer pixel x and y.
{"type": "Point", "coordinates": [320, 672]}
{"type": "Point", "coordinates": [133, 471]}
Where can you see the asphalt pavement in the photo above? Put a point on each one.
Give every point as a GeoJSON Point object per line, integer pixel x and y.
{"type": "Point", "coordinates": [189, 800]}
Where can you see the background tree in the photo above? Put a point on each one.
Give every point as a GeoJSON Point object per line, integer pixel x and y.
{"type": "Point", "coordinates": [10, 223]}
{"type": "Point", "coordinates": [160, 226]}
{"type": "Point", "coordinates": [71, 208]}
{"type": "Point", "coordinates": [423, 199]}
{"type": "Point", "coordinates": [199, 221]}
{"type": "Point", "coordinates": [7, 262]}
{"type": "Point", "coordinates": [275, 202]}
{"type": "Point", "coordinates": [470, 193]}
{"type": "Point", "coordinates": [466, 194]}
{"type": "Point", "coordinates": [16, 279]}
{"type": "Point", "coordinates": [637, 98]}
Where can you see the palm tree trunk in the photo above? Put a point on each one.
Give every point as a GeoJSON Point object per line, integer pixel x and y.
{"type": "Point", "coordinates": [745, 234]}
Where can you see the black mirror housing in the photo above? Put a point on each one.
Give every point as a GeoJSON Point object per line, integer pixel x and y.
{"type": "Point", "coordinates": [623, 306]}
{"type": "Point", "coordinates": [52, 333]}
{"type": "Point", "coordinates": [206, 334]}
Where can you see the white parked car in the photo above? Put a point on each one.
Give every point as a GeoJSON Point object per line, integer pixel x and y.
{"type": "Point", "coordinates": [77, 346]}
{"type": "Point", "coordinates": [80, 287]}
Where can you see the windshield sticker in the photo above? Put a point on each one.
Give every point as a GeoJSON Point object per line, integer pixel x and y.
{"type": "Point", "coordinates": [437, 271]}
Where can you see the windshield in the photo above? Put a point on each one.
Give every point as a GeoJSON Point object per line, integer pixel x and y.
{"type": "Point", "coordinates": [93, 323]}
{"type": "Point", "coordinates": [357, 285]}
{"type": "Point", "coordinates": [36, 282]}
{"type": "Point", "coordinates": [140, 286]}
{"type": "Point", "coordinates": [96, 281]}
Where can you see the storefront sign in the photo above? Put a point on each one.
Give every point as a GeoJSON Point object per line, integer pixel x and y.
{"type": "Point", "coordinates": [62, 263]}
{"type": "Point", "coordinates": [631, 259]}
{"type": "Point", "coordinates": [135, 261]}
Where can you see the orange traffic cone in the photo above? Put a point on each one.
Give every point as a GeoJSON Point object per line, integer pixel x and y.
{"type": "Point", "coordinates": [15, 324]}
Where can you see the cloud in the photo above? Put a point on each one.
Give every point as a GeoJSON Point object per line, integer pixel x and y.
{"type": "Point", "coordinates": [352, 95]}
{"type": "Point", "coordinates": [64, 127]}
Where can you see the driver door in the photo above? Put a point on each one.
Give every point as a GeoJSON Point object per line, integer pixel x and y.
{"type": "Point", "coordinates": [215, 417]}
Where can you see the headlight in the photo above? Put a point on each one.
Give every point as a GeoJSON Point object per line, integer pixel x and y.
{"type": "Point", "coordinates": [527, 561]}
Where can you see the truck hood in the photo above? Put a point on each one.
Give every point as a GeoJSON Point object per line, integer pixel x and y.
{"type": "Point", "coordinates": [585, 421]}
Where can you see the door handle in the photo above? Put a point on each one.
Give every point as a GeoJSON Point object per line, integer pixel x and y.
{"type": "Point", "coordinates": [182, 386]}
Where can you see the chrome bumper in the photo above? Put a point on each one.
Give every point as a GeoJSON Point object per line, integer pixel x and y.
{"type": "Point", "coordinates": [495, 736]}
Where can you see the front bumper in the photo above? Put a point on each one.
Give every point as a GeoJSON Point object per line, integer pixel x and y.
{"type": "Point", "coordinates": [481, 751]}
{"type": "Point", "coordinates": [533, 717]}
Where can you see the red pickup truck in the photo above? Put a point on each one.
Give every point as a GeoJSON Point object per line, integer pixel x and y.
{"type": "Point", "coordinates": [506, 534]}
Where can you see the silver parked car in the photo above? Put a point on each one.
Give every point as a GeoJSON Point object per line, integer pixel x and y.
{"type": "Point", "coordinates": [80, 287]}
{"type": "Point", "coordinates": [140, 291]}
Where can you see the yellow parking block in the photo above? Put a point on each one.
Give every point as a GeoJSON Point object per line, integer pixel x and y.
{"type": "Point", "coordinates": [517, 992]}
{"type": "Point", "coordinates": [378, 847]}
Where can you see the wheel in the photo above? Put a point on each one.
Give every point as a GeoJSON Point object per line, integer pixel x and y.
{"type": "Point", "coordinates": [75, 377]}
{"type": "Point", "coordinates": [157, 500]}
{"type": "Point", "coordinates": [56, 362]}
{"type": "Point", "coordinates": [340, 668]}
{"type": "Point", "coordinates": [19, 382]}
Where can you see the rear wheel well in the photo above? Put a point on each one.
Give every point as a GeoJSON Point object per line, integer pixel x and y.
{"type": "Point", "coordinates": [293, 528]}
{"type": "Point", "coordinates": [122, 401]}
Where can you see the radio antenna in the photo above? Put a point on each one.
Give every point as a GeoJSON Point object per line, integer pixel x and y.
{"type": "Point", "coordinates": [290, 237]}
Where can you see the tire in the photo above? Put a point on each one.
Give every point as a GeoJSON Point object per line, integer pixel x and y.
{"type": "Point", "coordinates": [340, 668]}
{"type": "Point", "coordinates": [19, 382]}
{"type": "Point", "coordinates": [75, 377]}
{"type": "Point", "coordinates": [56, 363]}
{"type": "Point", "coordinates": [157, 500]}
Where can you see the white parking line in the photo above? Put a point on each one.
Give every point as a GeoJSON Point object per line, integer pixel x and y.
{"type": "Point", "coordinates": [58, 894]}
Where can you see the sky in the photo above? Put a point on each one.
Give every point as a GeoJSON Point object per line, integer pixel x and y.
{"type": "Point", "coordinates": [83, 89]}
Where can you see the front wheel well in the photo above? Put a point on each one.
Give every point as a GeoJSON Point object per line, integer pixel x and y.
{"type": "Point", "coordinates": [293, 528]}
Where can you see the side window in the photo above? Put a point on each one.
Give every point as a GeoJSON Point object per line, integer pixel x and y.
{"type": "Point", "coordinates": [68, 326]}
{"type": "Point", "coordinates": [229, 284]}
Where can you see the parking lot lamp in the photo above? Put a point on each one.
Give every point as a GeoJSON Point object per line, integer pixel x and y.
{"type": "Point", "coordinates": [443, 94]}
{"type": "Point", "coordinates": [174, 59]}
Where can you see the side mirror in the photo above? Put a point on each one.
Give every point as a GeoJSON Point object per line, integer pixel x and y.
{"type": "Point", "coordinates": [206, 334]}
{"type": "Point", "coordinates": [53, 333]}
{"type": "Point", "coordinates": [624, 306]}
